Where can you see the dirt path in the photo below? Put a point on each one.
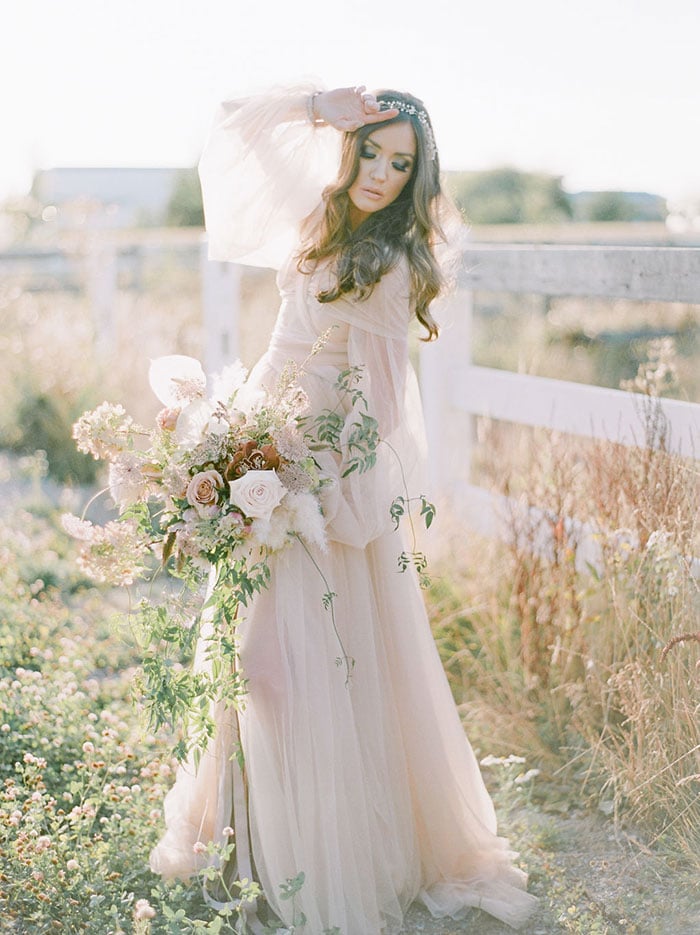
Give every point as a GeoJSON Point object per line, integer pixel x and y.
{"type": "Point", "coordinates": [590, 881]}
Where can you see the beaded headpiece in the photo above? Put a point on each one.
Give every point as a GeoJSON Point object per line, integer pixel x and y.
{"type": "Point", "coordinates": [421, 115]}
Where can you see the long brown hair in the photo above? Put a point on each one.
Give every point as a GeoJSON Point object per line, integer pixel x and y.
{"type": "Point", "coordinates": [409, 226]}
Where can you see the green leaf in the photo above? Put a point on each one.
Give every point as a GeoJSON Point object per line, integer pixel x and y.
{"type": "Point", "coordinates": [291, 887]}
{"type": "Point", "coordinates": [397, 510]}
{"type": "Point", "coordinates": [327, 599]}
{"type": "Point", "coordinates": [427, 510]}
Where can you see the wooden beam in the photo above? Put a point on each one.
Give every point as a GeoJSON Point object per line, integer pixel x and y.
{"type": "Point", "coordinates": [588, 411]}
{"type": "Point", "coordinates": [667, 274]}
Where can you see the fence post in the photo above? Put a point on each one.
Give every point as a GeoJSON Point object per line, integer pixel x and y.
{"type": "Point", "coordinates": [221, 298]}
{"type": "Point", "coordinates": [450, 431]}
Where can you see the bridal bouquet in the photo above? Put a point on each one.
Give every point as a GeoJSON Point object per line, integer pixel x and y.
{"type": "Point", "coordinates": [218, 478]}
{"type": "Point", "coordinates": [219, 483]}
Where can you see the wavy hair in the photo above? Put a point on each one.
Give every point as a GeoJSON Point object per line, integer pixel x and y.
{"type": "Point", "coordinates": [409, 226]}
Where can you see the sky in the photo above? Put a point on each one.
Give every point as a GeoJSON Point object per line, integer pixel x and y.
{"type": "Point", "coordinates": [605, 93]}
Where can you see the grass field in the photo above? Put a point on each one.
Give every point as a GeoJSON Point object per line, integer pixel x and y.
{"type": "Point", "coordinates": [591, 678]}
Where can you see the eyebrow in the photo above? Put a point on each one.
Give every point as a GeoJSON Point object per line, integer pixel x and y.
{"type": "Point", "coordinates": [378, 146]}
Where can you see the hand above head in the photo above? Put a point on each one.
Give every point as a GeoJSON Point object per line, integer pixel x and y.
{"type": "Point", "coordinates": [349, 108]}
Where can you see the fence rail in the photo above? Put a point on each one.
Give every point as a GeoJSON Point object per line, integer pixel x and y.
{"type": "Point", "coordinates": [575, 408]}
{"type": "Point", "coordinates": [666, 274]}
{"type": "Point", "coordinates": [455, 390]}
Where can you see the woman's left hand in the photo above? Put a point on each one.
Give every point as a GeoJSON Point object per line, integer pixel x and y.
{"type": "Point", "coordinates": [350, 108]}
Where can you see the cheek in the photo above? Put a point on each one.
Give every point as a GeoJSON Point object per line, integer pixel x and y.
{"type": "Point", "coordinates": [400, 182]}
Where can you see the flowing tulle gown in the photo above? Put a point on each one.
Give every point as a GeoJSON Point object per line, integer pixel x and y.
{"type": "Point", "coordinates": [370, 788]}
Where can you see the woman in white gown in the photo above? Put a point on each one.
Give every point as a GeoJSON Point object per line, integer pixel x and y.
{"type": "Point", "coordinates": [369, 788]}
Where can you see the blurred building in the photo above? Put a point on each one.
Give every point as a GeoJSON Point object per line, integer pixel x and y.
{"type": "Point", "coordinates": [106, 197]}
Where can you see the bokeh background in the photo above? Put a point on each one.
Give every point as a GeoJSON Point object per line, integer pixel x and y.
{"type": "Point", "coordinates": [567, 123]}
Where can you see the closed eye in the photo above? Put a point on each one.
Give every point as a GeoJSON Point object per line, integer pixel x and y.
{"type": "Point", "coordinates": [366, 153]}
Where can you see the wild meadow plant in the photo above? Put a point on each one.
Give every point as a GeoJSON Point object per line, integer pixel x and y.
{"type": "Point", "coordinates": [581, 631]}
{"type": "Point", "coordinates": [82, 780]}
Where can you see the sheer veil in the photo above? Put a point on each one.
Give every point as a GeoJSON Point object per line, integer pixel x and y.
{"type": "Point", "coordinates": [262, 172]}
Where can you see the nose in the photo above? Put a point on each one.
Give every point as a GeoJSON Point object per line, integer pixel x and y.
{"type": "Point", "coordinates": [378, 169]}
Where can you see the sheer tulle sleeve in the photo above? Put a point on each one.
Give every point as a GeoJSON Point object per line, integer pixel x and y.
{"type": "Point", "coordinates": [378, 346]}
{"type": "Point", "coordinates": [262, 171]}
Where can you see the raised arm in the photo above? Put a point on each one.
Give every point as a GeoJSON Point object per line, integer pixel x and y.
{"type": "Point", "coordinates": [266, 162]}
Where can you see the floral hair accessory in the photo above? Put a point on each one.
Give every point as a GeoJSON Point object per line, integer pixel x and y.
{"type": "Point", "coordinates": [421, 115]}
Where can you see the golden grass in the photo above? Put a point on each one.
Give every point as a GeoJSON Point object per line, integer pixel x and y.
{"type": "Point", "coordinates": [593, 672]}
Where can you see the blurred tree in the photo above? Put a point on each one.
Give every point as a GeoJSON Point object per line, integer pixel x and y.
{"type": "Point", "coordinates": [508, 196]}
{"type": "Point", "coordinates": [619, 206]}
{"type": "Point", "coordinates": [185, 205]}
{"type": "Point", "coordinates": [610, 206]}
{"type": "Point", "coordinates": [44, 421]}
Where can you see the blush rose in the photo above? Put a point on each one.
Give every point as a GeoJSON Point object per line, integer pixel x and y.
{"type": "Point", "coordinates": [202, 492]}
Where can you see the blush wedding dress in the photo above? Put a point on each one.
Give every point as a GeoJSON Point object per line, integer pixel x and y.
{"type": "Point", "coordinates": [369, 788]}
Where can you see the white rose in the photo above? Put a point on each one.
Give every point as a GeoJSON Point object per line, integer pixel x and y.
{"type": "Point", "coordinates": [257, 493]}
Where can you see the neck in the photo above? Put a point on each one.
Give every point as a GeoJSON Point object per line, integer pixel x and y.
{"type": "Point", "coordinates": [356, 217]}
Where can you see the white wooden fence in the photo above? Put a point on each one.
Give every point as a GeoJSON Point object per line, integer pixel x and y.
{"type": "Point", "coordinates": [454, 388]}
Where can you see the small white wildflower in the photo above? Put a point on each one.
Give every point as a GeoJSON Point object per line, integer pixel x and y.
{"type": "Point", "coordinates": [127, 483]}
{"type": "Point", "coordinates": [491, 760]}
{"type": "Point", "coordinates": [105, 431]}
{"type": "Point", "coordinates": [77, 528]}
{"type": "Point", "coordinates": [143, 910]}
{"type": "Point", "coordinates": [115, 554]}
{"type": "Point", "coordinates": [526, 777]}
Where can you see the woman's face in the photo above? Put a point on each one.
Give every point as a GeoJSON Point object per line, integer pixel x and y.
{"type": "Point", "coordinates": [387, 158]}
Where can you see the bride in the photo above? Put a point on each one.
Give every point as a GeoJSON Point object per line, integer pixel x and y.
{"type": "Point", "coordinates": [368, 786]}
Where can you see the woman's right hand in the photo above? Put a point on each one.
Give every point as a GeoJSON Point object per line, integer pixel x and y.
{"type": "Point", "coordinates": [350, 108]}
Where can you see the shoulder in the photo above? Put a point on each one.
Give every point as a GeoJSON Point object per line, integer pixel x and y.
{"type": "Point", "coordinates": [398, 278]}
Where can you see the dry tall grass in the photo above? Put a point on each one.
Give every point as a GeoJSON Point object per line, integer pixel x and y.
{"type": "Point", "coordinates": [581, 641]}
